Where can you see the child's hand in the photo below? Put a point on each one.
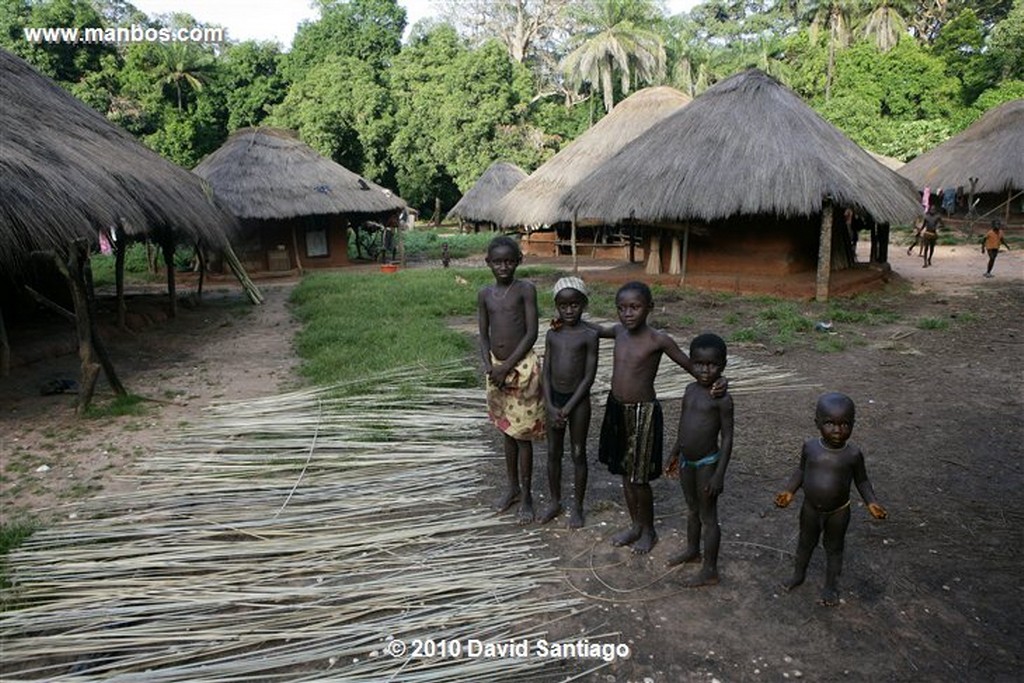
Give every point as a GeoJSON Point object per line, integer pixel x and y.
{"type": "Point", "coordinates": [715, 487]}
{"type": "Point", "coordinates": [877, 511]}
{"type": "Point", "coordinates": [671, 470]}
{"type": "Point", "coordinates": [784, 499]}
{"type": "Point", "coordinates": [719, 388]}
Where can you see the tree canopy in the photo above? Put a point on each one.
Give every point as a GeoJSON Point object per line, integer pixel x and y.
{"type": "Point", "coordinates": [517, 80]}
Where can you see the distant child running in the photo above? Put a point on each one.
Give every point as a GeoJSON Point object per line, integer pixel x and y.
{"type": "Point", "coordinates": [570, 365]}
{"type": "Point", "coordinates": [632, 430]}
{"type": "Point", "coordinates": [828, 464]}
{"type": "Point", "coordinates": [930, 233]}
{"type": "Point", "coordinates": [507, 313]}
{"type": "Point", "coordinates": [991, 242]}
{"type": "Point", "coordinates": [705, 444]}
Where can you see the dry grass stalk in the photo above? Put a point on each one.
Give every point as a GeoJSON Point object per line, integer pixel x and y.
{"type": "Point", "coordinates": [203, 573]}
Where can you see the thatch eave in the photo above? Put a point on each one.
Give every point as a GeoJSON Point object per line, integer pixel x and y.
{"type": "Point", "coordinates": [66, 172]}
{"type": "Point", "coordinates": [746, 147]}
{"type": "Point", "coordinates": [991, 150]}
{"type": "Point", "coordinates": [478, 204]}
{"type": "Point", "coordinates": [268, 173]}
{"type": "Point", "coordinates": [537, 200]}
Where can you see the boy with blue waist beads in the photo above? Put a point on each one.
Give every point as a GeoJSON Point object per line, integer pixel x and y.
{"type": "Point", "coordinates": [702, 451]}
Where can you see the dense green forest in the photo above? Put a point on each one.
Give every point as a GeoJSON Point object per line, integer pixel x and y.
{"type": "Point", "coordinates": [519, 79]}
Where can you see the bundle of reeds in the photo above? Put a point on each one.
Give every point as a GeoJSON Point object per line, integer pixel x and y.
{"type": "Point", "coordinates": [295, 538]}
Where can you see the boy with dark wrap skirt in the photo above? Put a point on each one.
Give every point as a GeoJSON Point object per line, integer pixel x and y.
{"type": "Point", "coordinates": [632, 431]}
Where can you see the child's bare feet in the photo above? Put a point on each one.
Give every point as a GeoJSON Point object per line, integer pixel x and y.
{"type": "Point", "coordinates": [829, 597]}
{"type": "Point", "coordinates": [793, 582]}
{"type": "Point", "coordinates": [576, 518]}
{"type": "Point", "coordinates": [508, 500]}
{"type": "Point", "coordinates": [644, 544]}
{"type": "Point", "coordinates": [524, 515]}
{"type": "Point", "coordinates": [551, 512]}
{"type": "Point", "coordinates": [686, 555]}
{"type": "Point", "coordinates": [706, 577]}
{"type": "Point", "coordinates": [626, 537]}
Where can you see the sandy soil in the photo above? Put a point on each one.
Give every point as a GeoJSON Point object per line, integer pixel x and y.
{"type": "Point", "coordinates": [933, 593]}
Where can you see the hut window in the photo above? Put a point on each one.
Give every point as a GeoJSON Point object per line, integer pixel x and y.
{"type": "Point", "coordinates": [316, 242]}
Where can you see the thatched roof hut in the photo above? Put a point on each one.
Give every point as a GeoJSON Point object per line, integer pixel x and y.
{"type": "Point", "coordinates": [538, 199]}
{"type": "Point", "coordinates": [747, 146]}
{"type": "Point", "coordinates": [755, 177]}
{"type": "Point", "coordinates": [295, 205]}
{"type": "Point", "coordinates": [477, 205]}
{"type": "Point", "coordinates": [991, 150]}
{"type": "Point", "coordinates": [66, 172]}
{"type": "Point", "coordinates": [269, 173]}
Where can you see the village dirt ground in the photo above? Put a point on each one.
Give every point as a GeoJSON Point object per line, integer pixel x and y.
{"type": "Point", "coordinates": [932, 593]}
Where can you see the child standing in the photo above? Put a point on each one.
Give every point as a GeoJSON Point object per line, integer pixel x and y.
{"type": "Point", "coordinates": [991, 242]}
{"type": "Point", "coordinates": [570, 365]}
{"type": "Point", "coordinates": [827, 466]}
{"type": "Point", "coordinates": [632, 430]}
{"type": "Point", "coordinates": [705, 442]}
{"type": "Point", "coordinates": [507, 315]}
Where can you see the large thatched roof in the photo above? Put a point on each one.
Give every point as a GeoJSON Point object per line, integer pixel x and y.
{"type": "Point", "coordinates": [65, 171]}
{"type": "Point", "coordinates": [477, 205]}
{"type": "Point", "coordinates": [269, 173]}
{"type": "Point", "coordinates": [537, 200]}
{"type": "Point", "coordinates": [991, 150]}
{"type": "Point", "coordinates": [746, 146]}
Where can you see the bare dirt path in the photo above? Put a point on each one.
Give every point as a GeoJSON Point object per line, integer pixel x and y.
{"type": "Point", "coordinates": [933, 593]}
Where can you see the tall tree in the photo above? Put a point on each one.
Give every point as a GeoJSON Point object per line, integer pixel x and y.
{"type": "Point", "coordinates": [519, 24]}
{"type": "Point", "coordinates": [252, 83]}
{"type": "Point", "coordinates": [618, 38]}
{"type": "Point", "coordinates": [369, 30]}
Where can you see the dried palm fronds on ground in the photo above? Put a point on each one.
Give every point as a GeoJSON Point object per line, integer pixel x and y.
{"type": "Point", "coordinates": [297, 537]}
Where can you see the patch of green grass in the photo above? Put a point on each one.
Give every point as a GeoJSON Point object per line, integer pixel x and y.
{"type": "Point", "coordinates": [830, 344]}
{"type": "Point", "coordinates": [12, 534]}
{"type": "Point", "coordinates": [744, 335]}
{"type": "Point", "coordinates": [930, 323]}
{"type": "Point", "coordinates": [119, 405]}
{"type": "Point", "coordinates": [360, 324]}
{"type": "Point", "coordinates": [687, 320]}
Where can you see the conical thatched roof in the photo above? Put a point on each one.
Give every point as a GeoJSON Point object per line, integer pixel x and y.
{"type": "Point", "coordinates": [269, 173]}
{"type": "Point", "coordinates": [991, 150]}
{"type": "Point", "coordinates": [65, 171]}
{"type": "Point", "coordinates": [537, 200]}
{"type": "Point", "coordinates": [479, 201]}
{"type": "Point", "coordinates": [746, 146]}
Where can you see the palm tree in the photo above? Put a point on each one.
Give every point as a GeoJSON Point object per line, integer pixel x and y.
{"type": "Point", "coordinates": [619, 41]}
{"type": "Point", "coordinates": [181, 64]}
{"type": "Point", "coordinates": [835, 17]}
{"type": "Point", "coordinates": [886, 24]}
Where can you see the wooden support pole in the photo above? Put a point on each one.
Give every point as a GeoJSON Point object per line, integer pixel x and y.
{"type": "Point", "coordinates": [90, 369]}
{"type": "Point", "coordinates": [120, 246]}
{"type": "Point", "coordinates": [168, 248]}
{"type": "Point", "coordinates": [295, 248]}
{"type": "Point", "coordinates": [201, 260]}
{"type": "Point", "coordinates": [48, 303]}
{"type": "Point", "coordinates": [685, 255]}
{"type": "Point", "coordinates": [572, 243]}
{"type": "Point", "coordinates": [822, 281]}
